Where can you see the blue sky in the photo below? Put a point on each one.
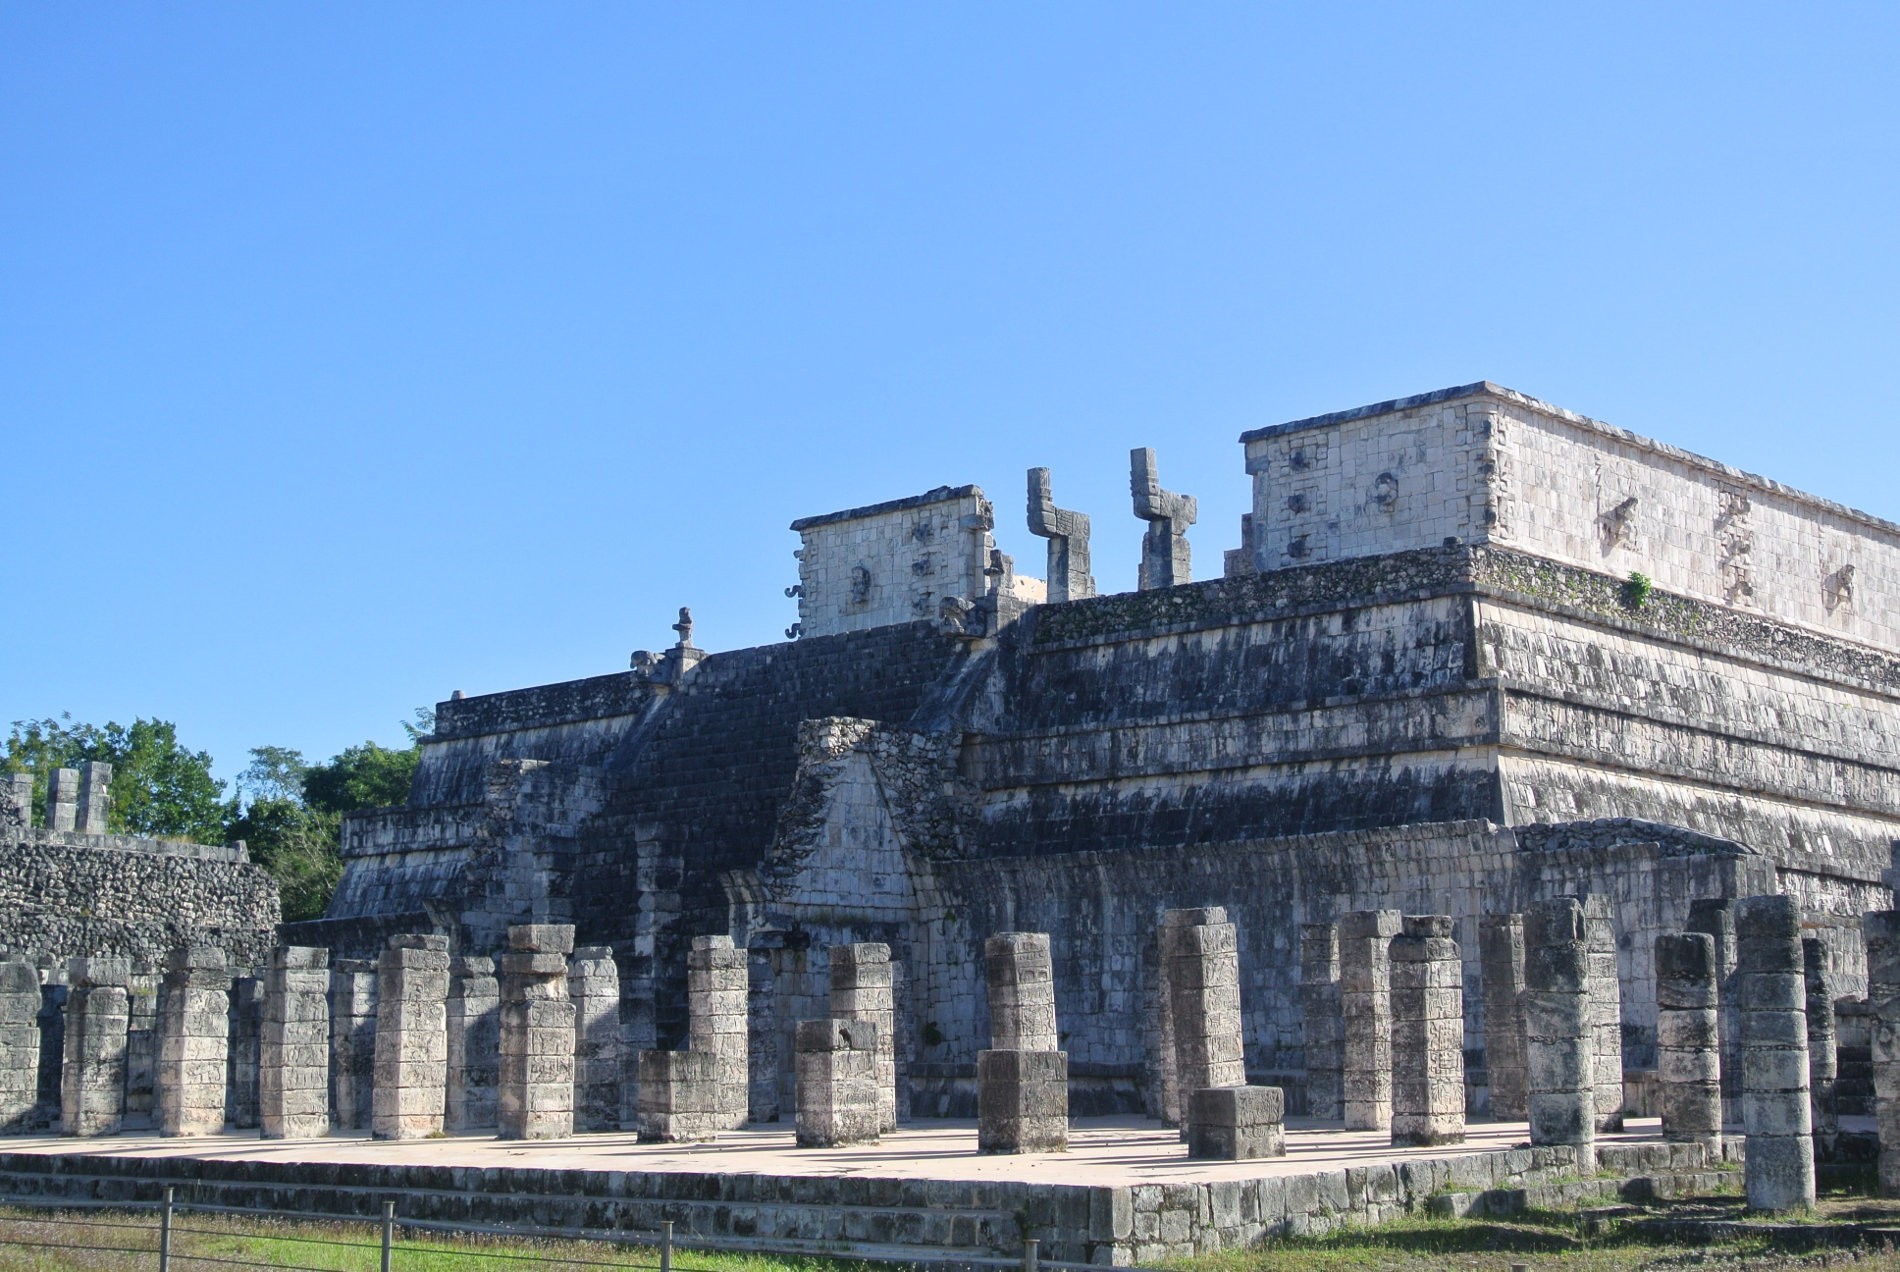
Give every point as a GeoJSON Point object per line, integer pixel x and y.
{"type": "Point", "coordinates": [352, 354]}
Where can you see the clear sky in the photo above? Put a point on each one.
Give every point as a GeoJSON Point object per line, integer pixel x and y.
{"type": "Point", "coordinates": [352, 354]}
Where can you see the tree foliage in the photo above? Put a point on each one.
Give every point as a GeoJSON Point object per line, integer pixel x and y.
{"type": "Point", "coordinates": [159, 787]}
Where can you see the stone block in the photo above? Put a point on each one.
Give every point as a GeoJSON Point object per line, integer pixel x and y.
{"type": "Point", "coordinates": [1022, 1101]}
{"type": "Point", "coordinates": [1236, 1123]}
{"type": "Point", "coordinates": [836, 1082]}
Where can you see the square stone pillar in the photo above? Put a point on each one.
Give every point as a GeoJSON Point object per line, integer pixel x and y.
{"type": "Point", "coordinates": [861, 989]}
{"type": "Point", "coordinates": [838, 1082]}
{"type": "Point", "coordinates": [95, 797]}
{"type": "Point", "coordinates": [1715, 918]}
{"type": "Point", "coordinates": [593, 985]}
{"type": "Point", "coordinates": [1170, 1101]}
{"type": "Point", "coordinates": [19, 1045]}
{"type": "Point", "coordinates": [1322, 1029]}
{"type": "Point", "coordinates": [1204, 985]}
{"type": "Point", "coordinates": [1881, 929]}
{"type": "Point", "coordinates": [1559, 1047]}
{"type": "Point", "coordinates": [1823, 1061]}
{"type": "Point", "coordinates": [293, 1099]}
{"type": "Point", "coordinates": [717, 988]}
{"type": "Point", "coordinates": [1428, 1033]}
{"type": "Point", "coordinates": [1501, 967]}
{"type": "Point", "coordinates": [92, 1076]}
{"type": "Point", "coordinates": [1606, 1013]}
{"type": "Point", "coordinates": [352, 1042]}
{"type": "Point", "coordinates": [141, 1048]}
{"type": "Point", "coordinates": [52, 1077]}
{"type": "Point", "coordinates": [763, 1050]}
{"type": "Point", "coordinates": [194, 1021]}
{"type": "Point", "coordinates": [1779, 1169]}
{"type": "Point", "coordinates": [1022, 1080]}
{"type": "Point", "coordinates": [677, 1099]}
{"type": "Point", "coordinates": [242, 1057]}
{"type": "Point", "coordinates": [1365, 999]}
{"type": "Point", "coordinates": [62, 800]}
{"type": "Point", "coordinates": [1689, 1040]}
{"type": "Point", "coordinates": [17, 791]}
{"type": "Point", "coordinates": [537, 1033]}
{"type": "Point", "coordinates": [412, 1038]}
{"type": "Point", "coordinates": [1236, 1124]}
{"type": "Point", "coordinates": [475, 1045]}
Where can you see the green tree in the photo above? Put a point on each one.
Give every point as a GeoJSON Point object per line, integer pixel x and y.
{"type": "Point", "coordinates": [366, 776]}
{"type": "Point", "coordinates": [298, 846]}
{"type": "Point", "coordinates": [159, 787]}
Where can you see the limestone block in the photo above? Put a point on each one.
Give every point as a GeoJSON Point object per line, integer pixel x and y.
{"type": "Point", "coordinates": [352, 1042]}
{"type": "Point", "coordinates": [861, 989]}
{"type": "Point", "coordinates": [293, 1049]}
{"type": "Point", "coordinates": [1237, 1123]}
{"type": "Point", "coordinates": [19, 1045]}
{"type": "Point", "coordinates": [535, 1098]}
{"type": "Point", "coordinates": [1427, 1003]}
{"type": "Point", "coordinates": [593, 983]}
{"type": "Point", "coordinates": [1365, 938]}
{"type": "Point", "coordinates": [1779, 1171]}
{"type": "Point", "coordinates": [678, 1097]}
{"type": "Point", "coordinates": [1020, 976]}
{"type": "Point", "coordinates": [836, 1083]}
{"type": "Point", "coordinates": [194, 1031]}
{"type": "Point", "coordinates": [718, 986]}
{"type": "Point", "coordinates": [1022, 1101]}
{"type": "Point", "coordinates": [1501, 964]}
{"type": "Point", "coordinates": [474, 1040]}
{"type": "Point", "coordinates": [410, 1080]}
{"type": "Point", "coordinates": [1322, 1028]}
{"type": "Point", "coordinates": [92, 1072]}
{"type": "Point", "coordinates": [1560, 1056]}
{"type": "Point", "coordinates": [1688, 1039]}
{"type": "Point", "coordinates": [1823, 1060]}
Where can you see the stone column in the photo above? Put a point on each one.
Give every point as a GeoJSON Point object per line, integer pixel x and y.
{"type": "Point", "coordinates": [92, 1077]}
{"type": "Point", "coordinates": [1823, 1064]}
{"type": "Point", "coordinates": [593, 985]}
{"type": "Point", "coordinates": [1165, 559]}
{"type": "Point", "coordinates": [1606, 1013]}
{"type": "Point", "coordinates": [837, 1081]}
{"type": "Point", "coordinates": [1882, 931]}
{"type": "Point", "coordinates": [537, 1033]}
{"type": "Point", "coordinates": [1322, 1030]}
{"type": "Point", "coordinates": [475, 1045]}
{"type": "Point", "coordinates": [717, 984]}
{"type": "Point", "coordinates": [52, 1078]}
{"type": "Point", "coordinates": [1204, 983]}
{"type": "Point", "coordinates": [412, 1038]}
{"type": "Point", "coordinates": [1068, 536]}
{"type": "Point", "coordinates": [352, 1041]}
{"type": "Point", "coordinates": [18, 793]}
{"type": "Point", "coordinates": [19, 1045]}
{"type": "Point", "coordinates": [1022, 1080]}
{"type": "Point", "coordinates": [1501, 965]}
{"type": "Point", "coordinates": [1715, 917]}
{"type": "Point", "coordinates": [861, 990]}
{"type": "Point", "coordinates": [1428, 1033]}
{"type": "Point", "coordinates": [762, 1037]}
{"type": "Point", "coordinates": [1779, 1171]}
{"type": "Point", "coordinates": [95, 797]}
{"type": "Point", "coordinates": [1559, 1051]}
{"type": "Point", "coordinates": [294, 1049]}
{"type": "Point", "coordinates": [62, 800]}
{"type": "Point", "coordinates": [1170, 1100]}
{"type": "Point", "coordinates": [1688, 1040]}
{"type": "Point", "coordinates": [677, 1098]}
{"type": "Point", "coordinates": [141, 1048]}
{"type": "Point", "coordinates": [247, 1033]}
{"type": "Point", "coordinates": [1365, 996]}
{"type": "Point", "coordinates": [194, 1021]}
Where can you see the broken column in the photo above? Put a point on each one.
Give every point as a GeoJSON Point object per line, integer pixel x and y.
{"type": "Point", "coordinates": [1823, 1064]}
{"type": "Point", "coordinates": [837, 1081]}
{"type": "Point", "coordinates": [1881, 928]}
{"type": "Point", "coordinates": [1068, 536]}
{"type": "Point", "coordinates": [19, 1045]}
{"type": "Point", "coordinates": [95, 797]}
{"type": "Point", "coordinates": [1501, 968]}
{"type": "Point", "coordinates": [294, 1048]}
{"type": "Point", "coordinates": [1606, 1013]}
{"type": "Point", "coordinates": [536, 1096]}
{"type": "Point", "coordinates": [194, 1021]}
{"type": "Point", "coordinates": [593, 985]}
{"type": "Point", "coordinates": [412, 1038]}
{"type": "Point", "coordinates": [1365, 1000]}
{"type": "Point", "coordinates": [17, 792]}
{"type": "Point", "coordinates": [1428, 1033]}
{"type": "Point", "coordinates": [92, 1074]}
{"type": "Point", "coordinates": [677, 1097]}
{"type": "Point", "coordinates": [1715, 917]}
{"type": "Point", "coordinates": [1559, 1050]}
{"type": "Point", "coordinates": [861, 989]}
{"type": "Point", "coordinates": [1774, 1037]}
{"type": "Point", "coordinates": [1165, 559]}
{"type": "Point", "coordinates": [352, 1041]}
{"type": "Point", "coordinates": [1321, 1029]}
{"type": "Point", "coordinates": [717, 985]}
{"type": "Point", "coordinates": [62, 799]}
{"type": "Point", "coordinates": [1688, 1040]}
{"type": "Point", "coordinates": [475, 1045]}
{"type": "Point", "coordinates": [1022, 1080]}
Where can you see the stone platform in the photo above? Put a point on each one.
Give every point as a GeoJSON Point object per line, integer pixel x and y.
{"type": "Point", "coordinates": [1125, 1192]}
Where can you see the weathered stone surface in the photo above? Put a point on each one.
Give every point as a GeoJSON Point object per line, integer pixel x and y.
{"type": "Point", "coordinates": [1688, 1039]}
{"type": "Point", "coordinates": [862, 989]}
{"type": "Point", "coordinates": [593, 983]}
{"type": "Point", "coordinates": [1236, 1123]}
{"type": "Point", "coordinates": [409, 1099]}
{"type": "Point", "coordinates": [194, 1023]}
{"type": "Point", "coordinates": [1204, 991]}
{"type": "Point", "coordinates": [679, 1097]}
{"type": "Point", "coordinates": [352, 1042]}
{"type": "Point", "coordinates": [1165, 558]}
{"type": "Point", "coordinates": [1774, 1038]}
{"type": "Point", "coordinates": [474, 1026]}
{"type": "Point", "coordinates": [536, 1096]}
{"type": "Point", "coordinates": [1501, 960]}
{"type": "Point", "coordinates": [245, 1031]}
{"type": "Point", "coordinates": [19, 1044]}
{"type": "Point", "coordinates": [1365, 992]}
{"type": "Point", "coordinates": [1606, 1013]}
{"type": "Point", "coordinates": [1428, 1015]}
{"type": "Point", "coordinates": [1560, 1057]}
{"type": "Point", "coordinates": [92, 1077]}
{"type": "Point", "coordinates": [1322, 1023]}
{"type": "Point", "coordinates": [1068, 536]}
{"type": "Point", "coordinates": [718, 988]}
{"type": "Point", "coordinates": [838, 1084]}
{"type": "Point", "coordinates": [293, 1073]}
{"type": "Point", "coordinates": [1823, 1064]}
{"type": "Point", "coordinates": [1022, 1101]}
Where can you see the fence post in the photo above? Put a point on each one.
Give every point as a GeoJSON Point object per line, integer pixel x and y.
{"type": "Point", "coordinates": [666, 1245]}
{"type": "Point", "coordinates": [1029, 1253]}
{"type": "Point", "coordinates": [165, 1234]}
{"type": "Point", "coordinates": [389, 1231]}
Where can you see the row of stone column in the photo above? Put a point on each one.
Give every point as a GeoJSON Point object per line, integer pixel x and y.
{"type": "Point", "coordinates": [76, 799]}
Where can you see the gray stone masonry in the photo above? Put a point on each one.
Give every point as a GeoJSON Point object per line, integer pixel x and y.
{"type": "Point", "coordinates": [593, 984]}
{"type": "Point", "coordinates": [92, 1075]}
{"type": "Point", "coordinates": [19, 1045]}
{"type": "Point", "coordinates": [52, 1076]}
{"type": "Point", "coordinates": [837, 1082]}
{"type": "Point", "coordinates": [194, 1022]}
{"type": "Point", "coordinates": [1501, 969]}
{"type": "Point", "coordinates": [1068, 535]}
{"type": "Point", "coordinates": [1606, 1013]}
{"type": "Point", "coordinates": [1322, 1031]}
{"type": "Point", "coordinates": [352, 1042]}
{"type": "Point", "coordinates": [1428, 1033]}
{"type": "Point", "coordinates": [18, 795]}
{"type": "Point", "coordinates": [1881, 929]}
{"type": "Point", "coordinates": [1165, 560]}
{"type": "Point", "coordinates": [62, 800]}
{"type": "Point", "coordinates": [412, 1038]}
{"type": "Point", "coordinates": [1022, 1081]}
{"type": "Point", "coordinates": [1688, 1039]}
{"type": "Point", "coordinates": [861, 989]}
{"type": "Point", "coordinates": [1715, 916]}
{"type": "Point", "coordinates": [475, 1046]}
{"type": "Point", "coordinates": [242, 1055]}
{"type": "Point", "coordinates": [763, 1051]}
{"type": "Point", "coordinates": [95, 797]}
{"type": "Point", "coordinates": [1775, 1114]}
{"type": "Point", "coordinates": [717, 986]}
{"type": "Point", "coordinates": [1233, 1124]}
{"type": "Point", "coordinates": [1559, 1058]}
{"type": "Point", "coordinates": [677, 1100]}
{"type": "Point", "coordinates": [536, 1096]}
{"type": "Point", "coordinates": [293, 1053]}
{"type": "Point", "coordinates": [1019, 972]}
{"type": "Point", "coordinates": [1169, 1098]}
{"type": "Point", "coordinates": [1823, 1061]}
{"type": "Point", "coordinates": [1365, 998]}
{"type": "Point", "coordinates": [141, 1048]}
{"type": "Point", "coordinates": [1204, 982]}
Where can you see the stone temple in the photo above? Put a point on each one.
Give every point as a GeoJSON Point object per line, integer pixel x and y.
{"type": "Point", "coordinates": [1473, 652]}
